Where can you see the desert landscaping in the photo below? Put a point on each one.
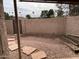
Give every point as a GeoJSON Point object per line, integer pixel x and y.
{"type": "Point", "coordinates": [39, 33]}
{"type": "Point", "coordinates": [54, 48]}
{"type": "Point", "coordinates": [41, 38]}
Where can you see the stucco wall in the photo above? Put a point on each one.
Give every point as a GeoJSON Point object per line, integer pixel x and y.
{"type": "Point", "coordinates": [68, 25]}
{"type": "Point", "coordinates": [72, 25]}
{"type": "Point", "coordinates": [50, 26]}
{"type": "Point", "coordinates": [9, 26]}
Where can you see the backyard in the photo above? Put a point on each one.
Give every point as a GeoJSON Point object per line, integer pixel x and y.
{"type": "Point", "coordinates": [52, 46]}
{"type": "Point", "coordinates": [31, 30]}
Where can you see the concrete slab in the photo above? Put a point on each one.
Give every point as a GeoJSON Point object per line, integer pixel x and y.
{"type": "Point", "coordinates": [39, 55]}
{"type": "Point", "coordinates": [28, 50]}
{"type": "Point", "coordinates": [71, 58]}
{"type": "Point", "coordinates": [13, 47]}
{"type": "Point", "coordinates": [11, 39]}
{"type": "Point", "coordinates": [11, 42]}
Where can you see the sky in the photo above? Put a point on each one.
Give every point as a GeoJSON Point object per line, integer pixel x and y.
{"type": "Point", "coordinates": [24, 8]}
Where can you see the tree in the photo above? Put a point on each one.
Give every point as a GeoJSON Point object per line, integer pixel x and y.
{"type": "Point", "coordinates": [73, 10]}
{"type": "Point", "coordinates": [28, 16]}
{"type": "Point", "coordinates": [50, 13]}
{"type": "Point", "coordinates": [47, 14]}
{"type": "Point", "coordinates": [44, 13]}
{"type": "Point", "coordinates": [65, 9]}
{"type": "Point", "coordinates": [60, 11]}
{"type": "Point", "coordinates": [7, 17]}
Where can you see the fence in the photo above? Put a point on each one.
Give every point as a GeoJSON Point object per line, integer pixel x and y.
{"type": "Point", "coordinates": [49, 25]}
{"type": "Point", "coordinates": [68, 25]}
{"type": "Point", "coordinates": [53, 25]}
{"type": "Point", "coordinates": [72, 25]}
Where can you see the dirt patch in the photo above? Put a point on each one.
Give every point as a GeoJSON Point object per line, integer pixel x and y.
{"type": "Point", "coordinates": [53, 47]}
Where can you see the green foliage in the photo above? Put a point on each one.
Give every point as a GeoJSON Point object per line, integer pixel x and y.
{"type": "Point", "coordinates": [7, 17]}
{"type": "Point", "coordinates": [50, 13]}
{"type": "Point", "coordinates": [28, 16]}
{"type": "Point", "coordinates": [60, 13]}
{"type": "Point", "coordinates": [44, 13]}
{"type": "Point", "coordinates": [73, 10]}
{"type": "Point", "coordinates": [47, 14]}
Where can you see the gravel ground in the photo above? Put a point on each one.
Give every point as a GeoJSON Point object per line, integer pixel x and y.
{"type": "Point", "coordinates": [54, 47]}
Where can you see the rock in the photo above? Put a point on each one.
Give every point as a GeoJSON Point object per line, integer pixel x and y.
{"type": "Point", "coordinates": [11, 39]}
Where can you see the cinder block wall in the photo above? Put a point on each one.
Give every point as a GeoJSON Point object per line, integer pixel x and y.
{"type": "Point", "coordinates": [72, 25]}
{"type": "Point", "coordinates": [9, 26]}
{"type": "Point", "coordinates": [63, 25]}
{"type": "Point", "coordinates": [49, 26]}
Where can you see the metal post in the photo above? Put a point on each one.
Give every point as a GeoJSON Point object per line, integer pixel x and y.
{"type": "Point", "coordinates": [17, 28]}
